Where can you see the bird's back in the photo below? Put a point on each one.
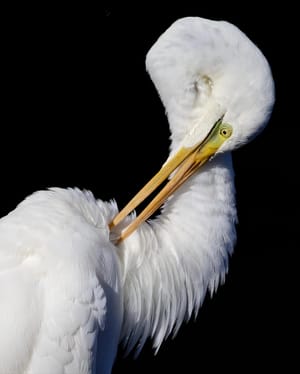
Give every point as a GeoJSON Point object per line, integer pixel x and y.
{"type": "Point", "coordinates": [59, 286]}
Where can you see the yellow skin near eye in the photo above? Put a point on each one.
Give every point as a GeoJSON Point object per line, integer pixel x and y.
{"type": "Point", "coordinates": [217, 136]}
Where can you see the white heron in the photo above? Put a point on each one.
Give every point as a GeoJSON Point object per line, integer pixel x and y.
{"type": "Point", "coordinates": [74, 283]}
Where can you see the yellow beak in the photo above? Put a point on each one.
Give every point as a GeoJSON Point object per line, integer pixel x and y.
{"type": "Point", "coordinates": [187, 161]}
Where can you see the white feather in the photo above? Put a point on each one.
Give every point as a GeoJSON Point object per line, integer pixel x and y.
{"type": "Point", "coordinates": [68, 294]}
{"type": "Point", "coordinates": [185, 252]}
{"type": "Point", "coordinates": [60, 286]}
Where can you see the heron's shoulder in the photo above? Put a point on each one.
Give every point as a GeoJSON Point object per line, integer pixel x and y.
{"type": "Point", "coordinates": [60, 203]}
{"type": "Point", "coordinates": [65, 224]}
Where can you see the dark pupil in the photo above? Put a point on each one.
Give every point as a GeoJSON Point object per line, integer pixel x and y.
{"type": "Point", "coordinates": [224, 132]}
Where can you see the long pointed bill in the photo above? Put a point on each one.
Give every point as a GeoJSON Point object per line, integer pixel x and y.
{"type": "Point", "coordinates": [187, 161]}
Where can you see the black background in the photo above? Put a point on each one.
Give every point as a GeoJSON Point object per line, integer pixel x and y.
{"type": "Point", "coordinates": [80, 110]}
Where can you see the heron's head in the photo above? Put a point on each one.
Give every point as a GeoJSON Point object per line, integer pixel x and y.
{"type": "Point", "coordinates": [218, 92]}
{"type": "Point", "coordinates": [209, 70]}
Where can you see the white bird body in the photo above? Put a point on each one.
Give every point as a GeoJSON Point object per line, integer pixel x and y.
{"type": "Point", "coordinates": [59, 267]}
{"type": "Point", "coordinates": [59, 285]}
{"type": "Point", "coordinates": [68, 294]}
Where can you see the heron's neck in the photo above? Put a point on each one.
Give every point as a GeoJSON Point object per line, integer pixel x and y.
{"type": "Point", "coordinates": [171, 261]}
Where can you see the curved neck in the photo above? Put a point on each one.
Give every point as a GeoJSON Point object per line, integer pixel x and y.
{"type": "Point", "coordinates": [171, 261]}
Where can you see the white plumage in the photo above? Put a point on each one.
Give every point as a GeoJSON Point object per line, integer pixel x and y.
{"type": "Point", "coordinates": [59, 285]}
{"type": "Point", "coordinates": [68, 294]}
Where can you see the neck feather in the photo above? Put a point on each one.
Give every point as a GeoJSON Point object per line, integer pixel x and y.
{"type": "Point", "coordinates": [171, 261]}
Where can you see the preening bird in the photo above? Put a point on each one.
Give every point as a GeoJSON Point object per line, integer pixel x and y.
{"type": "Point", "coordinates": [78, 277]}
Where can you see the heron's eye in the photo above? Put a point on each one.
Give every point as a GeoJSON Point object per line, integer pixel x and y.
{"type": "Point", "coordinates": [226, 131]}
